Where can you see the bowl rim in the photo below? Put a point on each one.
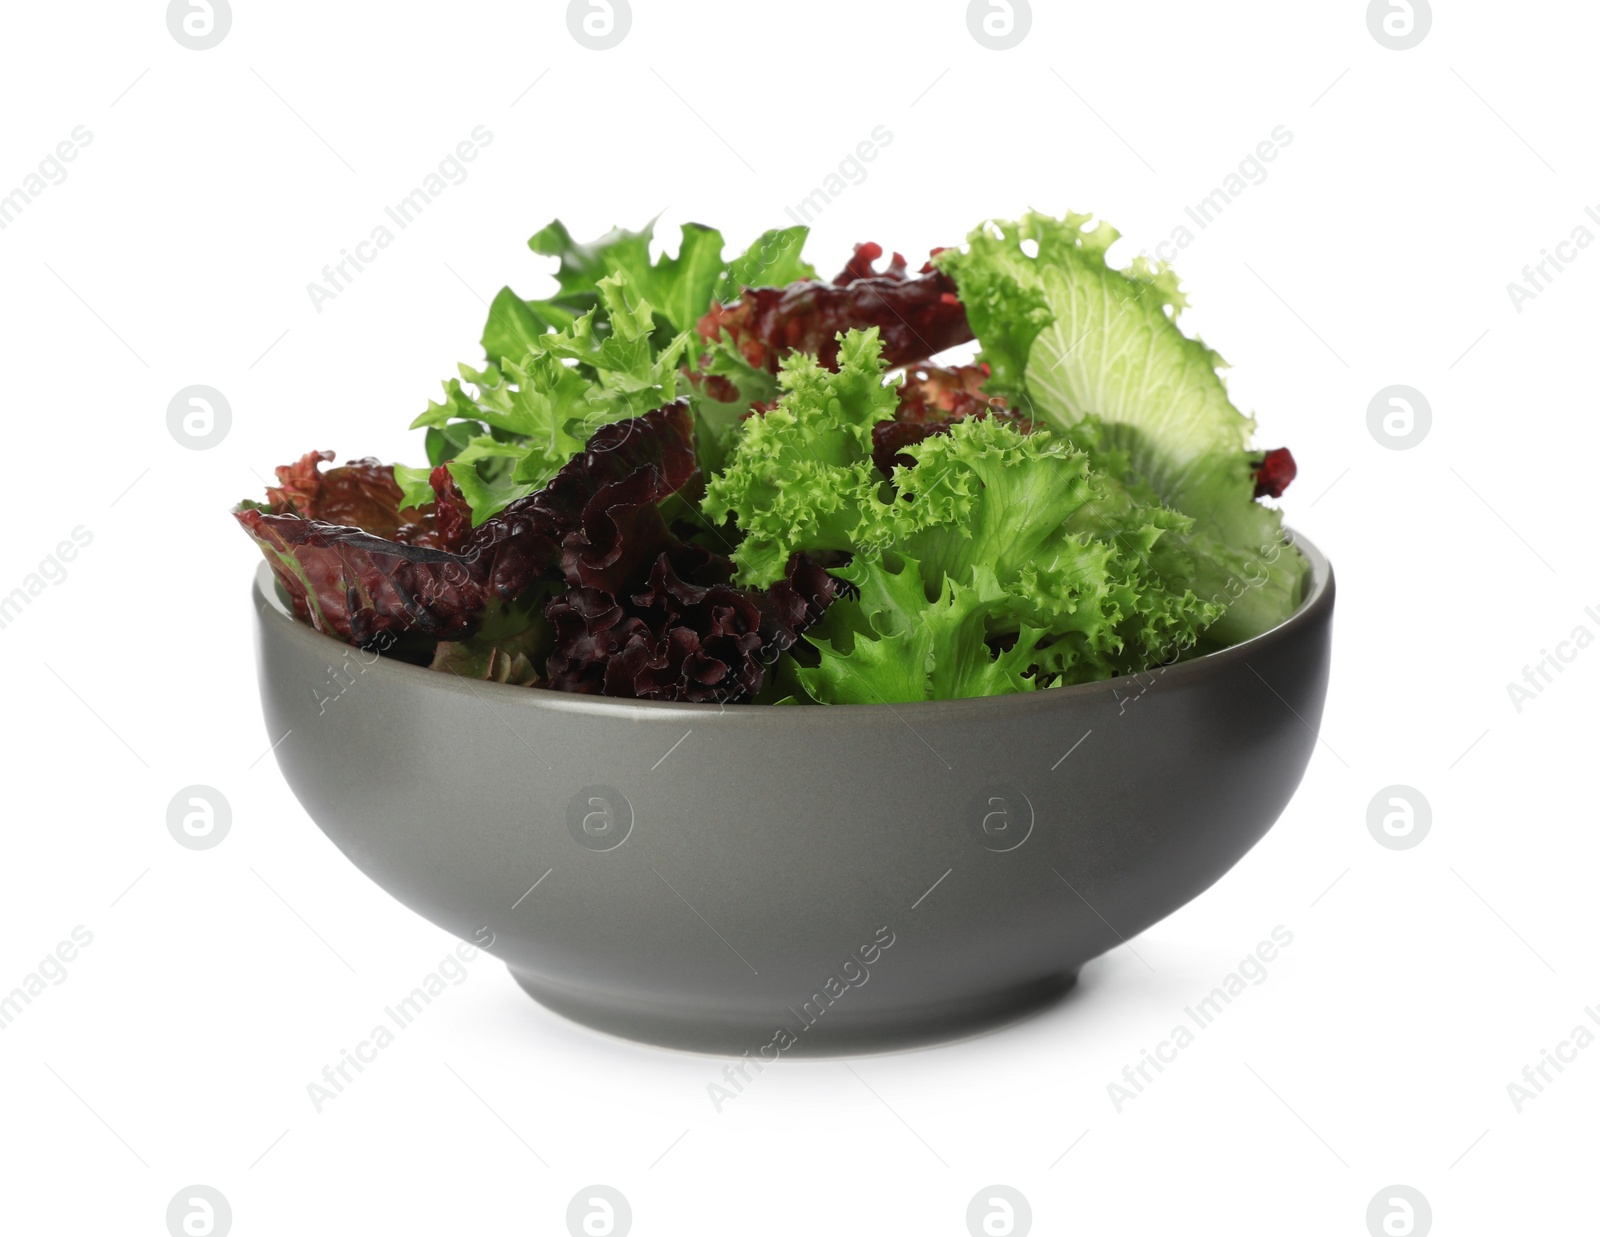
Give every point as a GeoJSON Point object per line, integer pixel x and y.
{"type": "Point", "coordinates": [1318, 599]}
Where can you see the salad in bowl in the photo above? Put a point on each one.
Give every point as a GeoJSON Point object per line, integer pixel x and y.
{"type": "Point", "coordinates": [1085, 660]}
{"type": "Point", "coordinates": [706, 479]}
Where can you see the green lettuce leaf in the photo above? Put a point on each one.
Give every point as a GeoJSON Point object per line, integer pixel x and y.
{"type": "Point", "coordinates": [801, 477]}
{"type": "Point", "coordinates": [717, 421]}
{"type": "Point", "coordinates": [528, 417]}
{"type": "Point", "coordinates": [606, 346]}
{"type": "Point", "coordinates": [998, 559]}
{"type": "Point", "coordinates": [892, 644]}
{"type": "Point", "coordinates": [415, 489]}
{"type": "Point", "coordinates": [679, 288]}
{"type": "Point", "coordinates": [510, 645]}
{"type": "Point", "coordinates": [1089, 565]}
{"type": "Point", "coordinates": [485, 473]}
{"type": "Point", "coordinates": [1068, 337]}
{"type": "Point", "coordinates": [771, 262]}
{"type": "Point", "coordinates": [515, 326]}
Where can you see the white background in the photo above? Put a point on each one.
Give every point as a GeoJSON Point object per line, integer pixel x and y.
{"type": "Point", "coordinates": [220, 982]}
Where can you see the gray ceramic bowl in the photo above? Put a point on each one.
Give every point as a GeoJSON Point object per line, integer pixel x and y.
{"type": "Point", "coordinates": [795, 880]}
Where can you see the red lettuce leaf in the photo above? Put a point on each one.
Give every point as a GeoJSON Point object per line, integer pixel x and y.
{"type": "Point", "coordinates": [607, 499]}
{"type": "Point", "coordinates": [916, 316]}
{"type": "Point", "coordinates": [931, 401]}
{"type": "Point", "coordinates": [358, 586]}
{"type": "Point", "coordinates": [362, 494]}
{"type": "Point", "coordinates": [646, 613]}
{"type": "Point", "coordinates": [354, 564]}
{"type": "Point", "coordinates": [1274, 472]}
{"type": "Point", "coordinates": [674, 639]}
{"type": "Point", "coordinates": [641, 610]}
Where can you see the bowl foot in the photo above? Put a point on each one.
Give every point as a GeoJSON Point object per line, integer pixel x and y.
{"type": "Point", "coordinates": [785, 1033]}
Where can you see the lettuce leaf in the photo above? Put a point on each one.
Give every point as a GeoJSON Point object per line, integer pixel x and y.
{"type": "Point", "coordinates": [680, 288]}
{"type": "Point", "coordinates": [644, 612]}
{"type": "Point", "coordinates": [528, 417]}
{"type": "Point", "coordinates": [996, 555]}
{"type": "Point", "coordinates": [680, 631]}
{"type": "Point", "coordinates": [916, 316]}
{"type": "Point", "coordinates": [1091, 569]}
{"type": "Point", "coordinates": [1067, 336]}
{"type": "Point", "coordinates": [1079, 505]}
{"type": "Point", "coordinates": [510, 646]}
{"type": "Point", "coordinates": [374, 565]}
{"type": "Point", "coordinates": [723, 391]}
{"type": "Point", "coordinates": [890, 643]}
{"type": "Point", "coordinates": [772, 261]}
{"type": "Point", "coordinates": [801, 477]}
{"type": "Point", "coordinates": [584, 576]}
